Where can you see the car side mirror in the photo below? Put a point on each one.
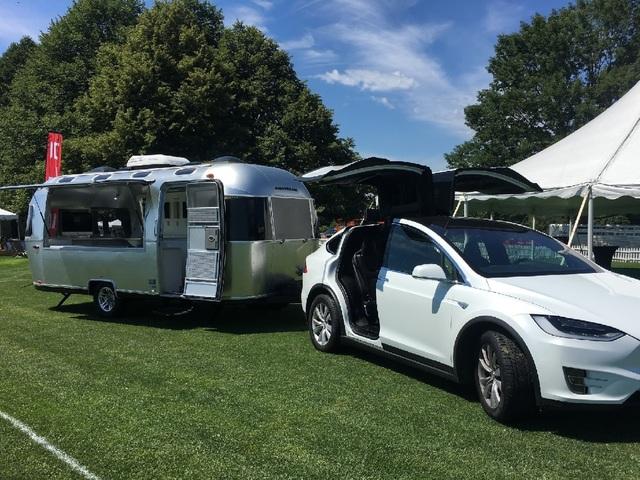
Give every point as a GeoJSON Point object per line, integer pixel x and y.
{"type": "Point", "coordinates": [429, 271]}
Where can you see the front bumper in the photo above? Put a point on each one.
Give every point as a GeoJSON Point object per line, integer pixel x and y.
{"type": "Point", "coordinates": [612, 368]}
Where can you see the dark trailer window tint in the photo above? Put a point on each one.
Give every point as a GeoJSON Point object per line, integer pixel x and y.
{"type": "Point", "coordinates": [247, 219]}
{"type": "Point", "coordinates": [292, 218]}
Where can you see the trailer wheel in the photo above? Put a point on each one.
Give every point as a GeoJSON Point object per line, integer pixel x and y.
{"type": "Point", "coordinates": [108, 304]}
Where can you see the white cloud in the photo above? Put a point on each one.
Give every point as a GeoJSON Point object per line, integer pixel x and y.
{"type": "Point", "coordinates": [371, 80]}
{"type": "Point", "coordinates": [319, 57]}
{"type": "Point", "coordinates": [265, 4]}
{"type": "Point", "coordinates": [307, 41]}
{"type": "Point", "coordinates": [384, 101]}
{"type": "Point", "coordinates": [247, 15]}
{"type": "Point", "coordinates": [383, 56]}
{"type": "Point", "coordinates": [502, 16]}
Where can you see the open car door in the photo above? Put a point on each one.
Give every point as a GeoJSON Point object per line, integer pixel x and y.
{"type": "Point", "coordinates": [205, 240]}
{"type": "Point", "coordinates": [490, 181]}
{"type": "Point", "coordinates": [403, 188]}
{"type": "Point", "coordinates": [410, 189]}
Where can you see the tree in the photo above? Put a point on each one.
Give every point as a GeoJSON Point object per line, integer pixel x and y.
{"type": "Point", "coordinates": [550, 78]}
{"type": "Point", "coordinates": [158, 92]}
{"type": "Point", "coordinates": [11, 61]}
{"type": "Point", "coordinates": [183, 84]}
{"type": "Point", "coordinates": [43, 90]}
{"type": "Point", "coordinates": [58, 71]}
{"type": "Point", "coordinates": [173, 80]}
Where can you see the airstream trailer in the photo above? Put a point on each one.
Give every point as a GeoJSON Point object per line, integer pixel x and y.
{"type": "Point", "coordinates": [164, 227]}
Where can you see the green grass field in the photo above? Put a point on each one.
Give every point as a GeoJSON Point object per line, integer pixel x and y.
{"type": "Point", "coordinates": [244, 395]}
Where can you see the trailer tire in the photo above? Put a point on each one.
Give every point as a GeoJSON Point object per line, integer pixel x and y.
{"type": "Point", "coordinates": [107, 302]}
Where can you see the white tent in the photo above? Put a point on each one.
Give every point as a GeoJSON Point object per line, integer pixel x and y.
{"type": "Point", "coordinates": [4, 215]}
{"type": "Point", "coordinates": [598, 163]}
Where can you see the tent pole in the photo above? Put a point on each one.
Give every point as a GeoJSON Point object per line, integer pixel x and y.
{"type": "Point", "coordinates": [590, 226]}
{"type": "Point", "coordinates": [533, 222]}
{"type": "Point", "coordinates": [455, 212]}
{"type": "Point", "coordinates": [466, 207]}
{"type": "Point", "coordinates": [575, 225]}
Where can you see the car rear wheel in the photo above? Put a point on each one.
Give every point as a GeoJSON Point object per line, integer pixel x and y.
{"type": "Point", "coordinates": [324, 319]}
{"type": "Point", "coordinates": [502, 378]}
{"type": "Point", "coordinates": [108, 304]}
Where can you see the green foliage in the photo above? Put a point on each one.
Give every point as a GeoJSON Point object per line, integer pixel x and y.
{"type": "Point", "coordinates": [550, 78]}
{"type": "Point", "coordinates": [53, 75]}
{"type": "Point", "coordinates": [11, 61]}
{"type": "Point", "coordinates": [119, 80]}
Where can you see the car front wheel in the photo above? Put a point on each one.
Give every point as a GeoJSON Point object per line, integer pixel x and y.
{"type": "Point", "coordinates": [324, 321]}
{"type": "Point", "coordinates": [503, 378]}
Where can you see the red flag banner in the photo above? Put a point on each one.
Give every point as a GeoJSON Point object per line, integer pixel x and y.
{"type": "Point", "coordinates": [53, 166]}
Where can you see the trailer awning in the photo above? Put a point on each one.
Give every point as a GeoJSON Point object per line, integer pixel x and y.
{"type": "Point", "coordinates": [72, 184]}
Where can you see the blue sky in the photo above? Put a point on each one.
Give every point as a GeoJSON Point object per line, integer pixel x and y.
{"type": "Point", "coordinates": [397, 73]}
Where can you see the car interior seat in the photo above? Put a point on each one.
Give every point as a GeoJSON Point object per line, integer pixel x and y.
{"type": "Point", "coordinates": [366, 265]}
{"type": "Point", "coordinates": [473, 254]}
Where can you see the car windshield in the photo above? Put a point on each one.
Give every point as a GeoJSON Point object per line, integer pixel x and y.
{"type": "Point", "coordinates": [511, 251]}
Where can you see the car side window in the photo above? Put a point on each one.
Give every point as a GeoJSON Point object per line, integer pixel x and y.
{"type": "Point", "coordinates": [408, 247]}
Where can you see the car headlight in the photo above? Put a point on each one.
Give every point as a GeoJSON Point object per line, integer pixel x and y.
{"type": "Point", "coordinates": [578, 329]}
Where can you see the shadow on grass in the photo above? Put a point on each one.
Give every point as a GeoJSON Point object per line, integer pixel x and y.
{"type": "Point", "coordinates": [610, 426]}
{"type": "Point", "coordinates": [613, 425]}
{"type": "Point", "coordinates": [235, 319]}
{"type": "Point", "coordinates": [463, 391]}
{"type": "Point", "coordinates": [596, 426]}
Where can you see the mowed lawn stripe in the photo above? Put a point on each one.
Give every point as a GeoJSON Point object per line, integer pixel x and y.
{"type": "Point", "coordinates": [244, 395]}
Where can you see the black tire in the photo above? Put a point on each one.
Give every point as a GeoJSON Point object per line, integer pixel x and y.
{"type": "Point", "coordinates": [107, 302]}
{"type": "Point", "coordinates": [324, 320]}
{"type": "Point", "coordinates": [512, 378]}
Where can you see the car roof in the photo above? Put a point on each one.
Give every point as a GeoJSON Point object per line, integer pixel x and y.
{"type": "Point", "coordinates": [465, 222]}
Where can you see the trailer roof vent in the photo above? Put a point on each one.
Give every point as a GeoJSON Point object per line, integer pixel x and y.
{"type": "Point", "coordinates": [141, 174]}
{"type": "Point", "coordinates": [147, 161]}
{"type": "Point", "coordinates": [65, 180]}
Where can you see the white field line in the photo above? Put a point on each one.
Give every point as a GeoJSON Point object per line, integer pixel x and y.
{"type": "Point", "coordinates": [59, 454]}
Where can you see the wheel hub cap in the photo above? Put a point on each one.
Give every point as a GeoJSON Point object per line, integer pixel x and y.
{"type": "Point", "coordinates": [106, 299]}
{"type": "Point", "coordinates": [321, 324]}
{"type": "Point", "coordinates": [489, 376]}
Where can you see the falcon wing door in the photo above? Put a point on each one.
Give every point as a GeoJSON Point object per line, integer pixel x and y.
{"type": "Point", "coordinates": [490, 181]}
{"type": "Point", "coordinates": [403, 188]}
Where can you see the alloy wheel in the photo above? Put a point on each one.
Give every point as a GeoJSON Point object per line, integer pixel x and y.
{"type": "Point", "coordinates": [107, 299]}
{"type": "Point", "coordinates": [489, 376]}
{"type": "Point", "coordinates": [321, 324]}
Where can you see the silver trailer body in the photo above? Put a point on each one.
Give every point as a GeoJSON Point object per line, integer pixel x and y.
{"type": "Point", "coordinates": [219, 231]}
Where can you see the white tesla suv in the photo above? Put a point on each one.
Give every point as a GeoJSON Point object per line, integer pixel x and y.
{"type": "Point", "coordinates": [514, 311]}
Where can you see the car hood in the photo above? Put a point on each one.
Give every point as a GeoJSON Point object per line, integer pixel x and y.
{"type": "Point", "coordinates": [602, 297]}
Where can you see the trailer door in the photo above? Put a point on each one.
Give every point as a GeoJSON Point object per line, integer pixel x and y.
{"type": "Point", "coordinates": [205, 240]}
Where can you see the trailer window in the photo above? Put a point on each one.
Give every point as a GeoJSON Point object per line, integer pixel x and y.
{"type": "Point", "coordinates": [292, 218]}
{"type": "Point", "coordinates": [109, 216]}
{"type": "Point", "coordinates": [247, 219]}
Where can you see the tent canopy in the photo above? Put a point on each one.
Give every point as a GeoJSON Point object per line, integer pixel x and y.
{"type": "Point", "coordinates": [603, 156]}
{"type": "Point", "coordinates": [5, 215]}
